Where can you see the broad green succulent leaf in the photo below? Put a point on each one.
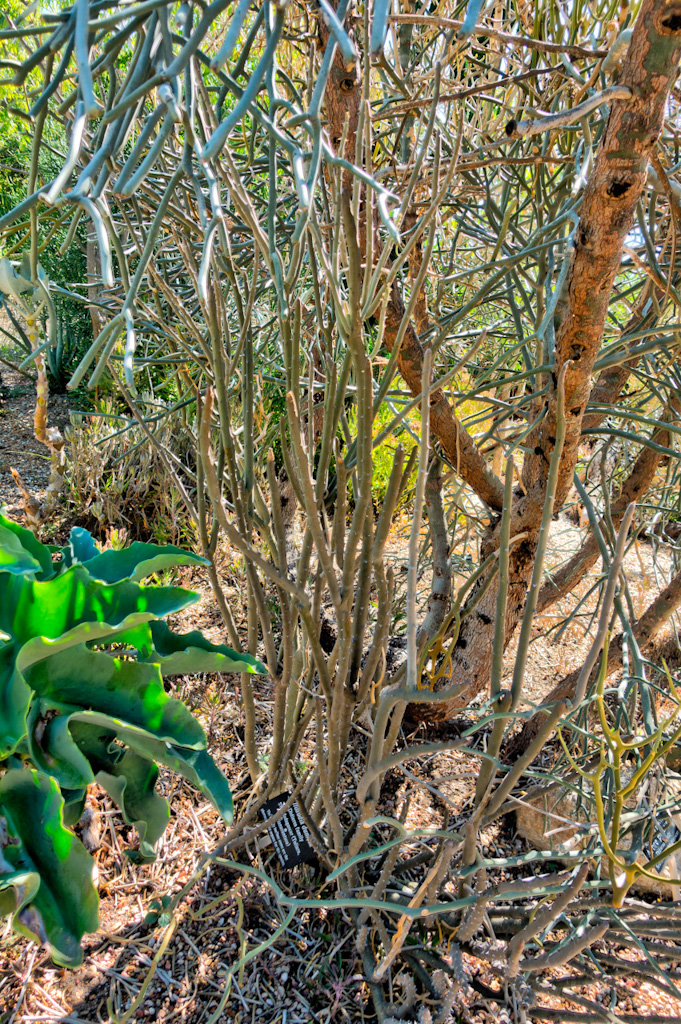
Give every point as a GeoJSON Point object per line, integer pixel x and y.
{"type": "Point", "coordinates": [81, 546]}
{"type": "Point", "coordinates": [81, 715]}
{"type": "Point", "coordinates": [29, 609]}
{"type": "Point", "coordinates": [137, 638]}
{"type": "Point", "coordinates": [132, 786]}
{"type": "Point", "coordinates": [41, 647]}
{"type": "Point", "coordinates": [130, 781]}
{"type": "Point", "coordinates": [125, 691]}
{"type": "Point", "coordinates": [14, 557]}
{"type": "Point", "coordinates": [196, 765]}
{"type": "Point", "coordinates": [15, 697]}
{"type": "Point", "coordinates": [46, 618]}
{"type": "Point", "coordinates": [138, 561]}
{"type": "Point", "coordinates": [17, 888]}
{"type": "Point", "coordinates": [52, 749]}
{"type": "Point", "coordinates": [65, 903]}
{"type": "Point", "coordinates": [181, 653]}
{"type": "Point", "coordinates": [39, 552]}
{"type": "Point", "coordinates": [15, 694]}
{"type": "Point", "coordinates": [74, 805]}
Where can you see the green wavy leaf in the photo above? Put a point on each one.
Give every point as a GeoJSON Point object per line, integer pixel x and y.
{"type": "Point", "coordinates": [15, 698]}
{"type": "Point", "coordinates": [64, 906]}
{"type": "Point", "coordinates": [195, 765]}
{"type": "Point", "coordinates": [29, 608]}
{"type": "Point", "coordinates": [14, 557]}
{"type": "Point", "coordinates": [41, 647]}
{"type": "Point", "coordinates": [138, 561]}
{"type": "Point", "coordinates": [82, 715]}
{"type": "Point", "coordinates": [34, 550]}
{"type": "Point", "coordinates": [126, 691]}
{"type": "Point", "coordinates": [52, 749]}
{"type": "Point", "coordinates": [81, 546]}
{"type": "Point", "coordinates": [129, 779]}
{"type": "Point", "coordinates": [74, 805]}
{"type": "Point", "coordinates": [132, 785]}
{"type": "Point", "coordinates": [17, 888]}
{"type": "Point", "coordinates": [199, 768]}
{"type": "Point", "coordinates": [184, 653]}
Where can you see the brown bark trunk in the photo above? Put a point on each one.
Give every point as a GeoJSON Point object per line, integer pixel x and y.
{"type": "Point", "coordinates": [612, 380]}
{"type": "Point", "coordinates": [421, 316]}
{"type": "Point", "coordinates": [472, 658]}
{"type": "Point", "coordinates": [606, 217]}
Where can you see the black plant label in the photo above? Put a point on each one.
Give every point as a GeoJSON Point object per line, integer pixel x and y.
{"type": "Point", "coordinates": [289, 835]}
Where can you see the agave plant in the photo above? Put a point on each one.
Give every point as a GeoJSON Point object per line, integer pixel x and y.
{"type": "Point", "coordinates": [83, 654]}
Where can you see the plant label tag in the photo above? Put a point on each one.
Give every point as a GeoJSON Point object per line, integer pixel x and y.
{"type": "Point", "coordinates": [289, 835]}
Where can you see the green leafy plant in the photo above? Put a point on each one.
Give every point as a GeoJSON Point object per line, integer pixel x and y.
{"type": "Point", "coordinates": [83, 655]}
